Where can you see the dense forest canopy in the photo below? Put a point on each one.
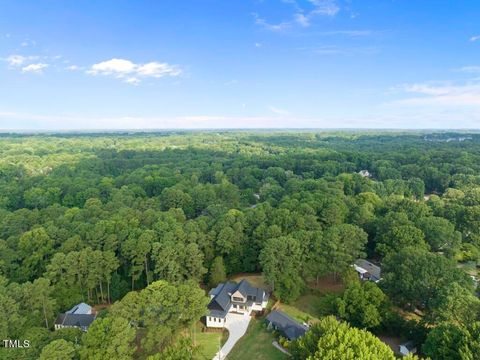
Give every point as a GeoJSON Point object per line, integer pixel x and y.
{"type": "Point", "coordinates": [144, 219]}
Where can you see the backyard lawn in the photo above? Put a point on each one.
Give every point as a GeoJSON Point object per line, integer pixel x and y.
{"type": "Point", "coordinates": [256, 344]}
{"type": "Point", "coordinates": [315, 302]}
{"type": "Point", "coordinates": [208, 342]}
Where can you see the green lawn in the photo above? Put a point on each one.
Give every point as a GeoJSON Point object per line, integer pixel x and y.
{"type": "Point", "coordinates": [208, 342]}
{"type": "Point", "coordinates": [256, 344]}
{"type": "Point", "coordinates": [309, 307]}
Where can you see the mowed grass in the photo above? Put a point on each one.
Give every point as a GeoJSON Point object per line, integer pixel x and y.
{"type": "Point", "coordinates": [316, 300]}
{"type": "Point", "coordinates": [256, 344]}
{"type": "Point", "coordinates": [295, 313]}
{"type": "Point", "coordinates": [208, 342]}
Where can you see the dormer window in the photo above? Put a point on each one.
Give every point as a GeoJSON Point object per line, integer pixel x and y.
{"type": "Point", "coordinates": [237, 299]}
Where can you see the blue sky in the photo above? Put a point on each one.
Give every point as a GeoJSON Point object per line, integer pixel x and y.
{"type": "Point", "coordinates": [239, 64]}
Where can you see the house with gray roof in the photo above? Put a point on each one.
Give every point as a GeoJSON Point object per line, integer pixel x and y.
{"type": "Point", "coordinates": [367, 270]}
{"type": "Point", "coordinates": [80, 316]}
{"type": "Point", "coordinates": [283, 323]}
{"type": "Point", "coordinates": [230, 297]}
{"type": "Point", "coordinates": [407, 348]}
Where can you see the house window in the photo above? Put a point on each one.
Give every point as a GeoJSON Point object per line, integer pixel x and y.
{"type": "Point", "coordinates": [237, 299]}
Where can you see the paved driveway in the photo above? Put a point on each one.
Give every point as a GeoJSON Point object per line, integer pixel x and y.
{"type": "Point", "coordinates": [237, 326]}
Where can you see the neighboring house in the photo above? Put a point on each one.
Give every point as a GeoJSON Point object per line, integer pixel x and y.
{"type": "Point", "coordinates": [283, 323]}
{"type": "Point", "coordinates": [230, 297]}
{"type": "Point", "coordinates": [367, 271]}
{"type": "Point", "coordinates": [408, 348]}
{"type": "Point", "coordinates": [365, 173]}
{"type": "Point", "coordinates": [80, 316]}
{"type": "Point", "coordinates": [475, 281]}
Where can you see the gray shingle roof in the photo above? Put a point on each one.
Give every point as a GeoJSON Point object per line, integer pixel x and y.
{"type": "Point", "coordinates": [246, 289]}
{"type": "Point", "coordinates": [81, 308]}
{"type": "Point", "coordinates": [79, 320]}
{"type": "Point", "coordinates": [221, 301]}
{"type": "Point", "coordinates": [284, 323]}
{"type": "Point", "coordinates": [374, 270]}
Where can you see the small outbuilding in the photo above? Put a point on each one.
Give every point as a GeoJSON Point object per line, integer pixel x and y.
{"type": "Point", "coordinates": [283, 323]}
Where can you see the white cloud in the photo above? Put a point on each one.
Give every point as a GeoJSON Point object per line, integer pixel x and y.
{"type": "Point", "coordinates": [34, 68]}
{"type": "Point", "coordinates": [268, 26]}
{"type": "Point", "coordinates": [113, 66]}
{"type": "Point", "coordinates": [408, 120]}
{"type": "Point", "coordinates": [302, 20]}
{"type": "Point", "coordinates": [258, 45]}
{"type": "Point", "coordinates": [475, 38]}
{"type": "Point", "coordinates": [470, 69]}
{"type": "Point", "coordinates": [73, 68]}
{"type": "Point", "coordinates": [447, 94]}
{"type": "Point", "coordinates": [16, 60]}
{"type": "Point", "coordinates": [301, 16]}
{"type": "Point", "coordinates": [325, 7]}
{"type": "Point", "coordinates": [132, 81]}
{"type": "Point", "coordinates": [131, 72]}
{"type": "Point", "coordinates": [28, 42]}
{"type": "Point", "coordinates": [278, 111]}
{"type": "Point", "coordinates": [158, 70]}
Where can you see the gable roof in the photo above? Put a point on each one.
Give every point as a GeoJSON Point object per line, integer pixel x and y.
{"type": "Point", "coordinates": [221, 301]}
{"type": "Point", "coordinates": [246, 289]}
{"type": "Point", "coordinates": [363, 266]}
{"type": "Point", "coordinates": [215, 291]}
{"type": "Point", "coordinates": [284, 323]}
{"type": "Point", "coordinates": [79, 320]}
{"type": "Point", "coordinates": [81, 308]}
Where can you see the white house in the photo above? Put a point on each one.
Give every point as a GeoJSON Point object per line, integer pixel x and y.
{"type": "Point", "coordinates": [408, 348]}
{"type": "Point", "coordinates": [365, 173]}
{"type": "Point", "coordinates": [229, 297]}
{"type": "Point", "coordinates": [367, 271]}
{"type": "Point", "coordinates": [80, 316]}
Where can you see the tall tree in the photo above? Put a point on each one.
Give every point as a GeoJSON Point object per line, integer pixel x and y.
{"type": "Point", "coordinates": [362, 304]}
{"type": "Point", "coordinates": [331, 340]}
{"type": "Point", "coordinates": [450, 341]}
{"type": "Point", "coordinates": [34, 249]}
{"type": "Point", "coordinates": [108, 338]}
{"type": "Point", "coordinates": [281, 261]}
{"type": "Point", "coordinates": [109, 265]}
{"type": "Point", "coordinates": [341, 246]}
{"type": "Point", "coordinates": [38, 297]}
{"type": "Point", "coordinates": [217, 272]}
{"type": "Point", "coordinates": [58, 350]}
{"type": "Point", "coordinates": [414, 278]}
